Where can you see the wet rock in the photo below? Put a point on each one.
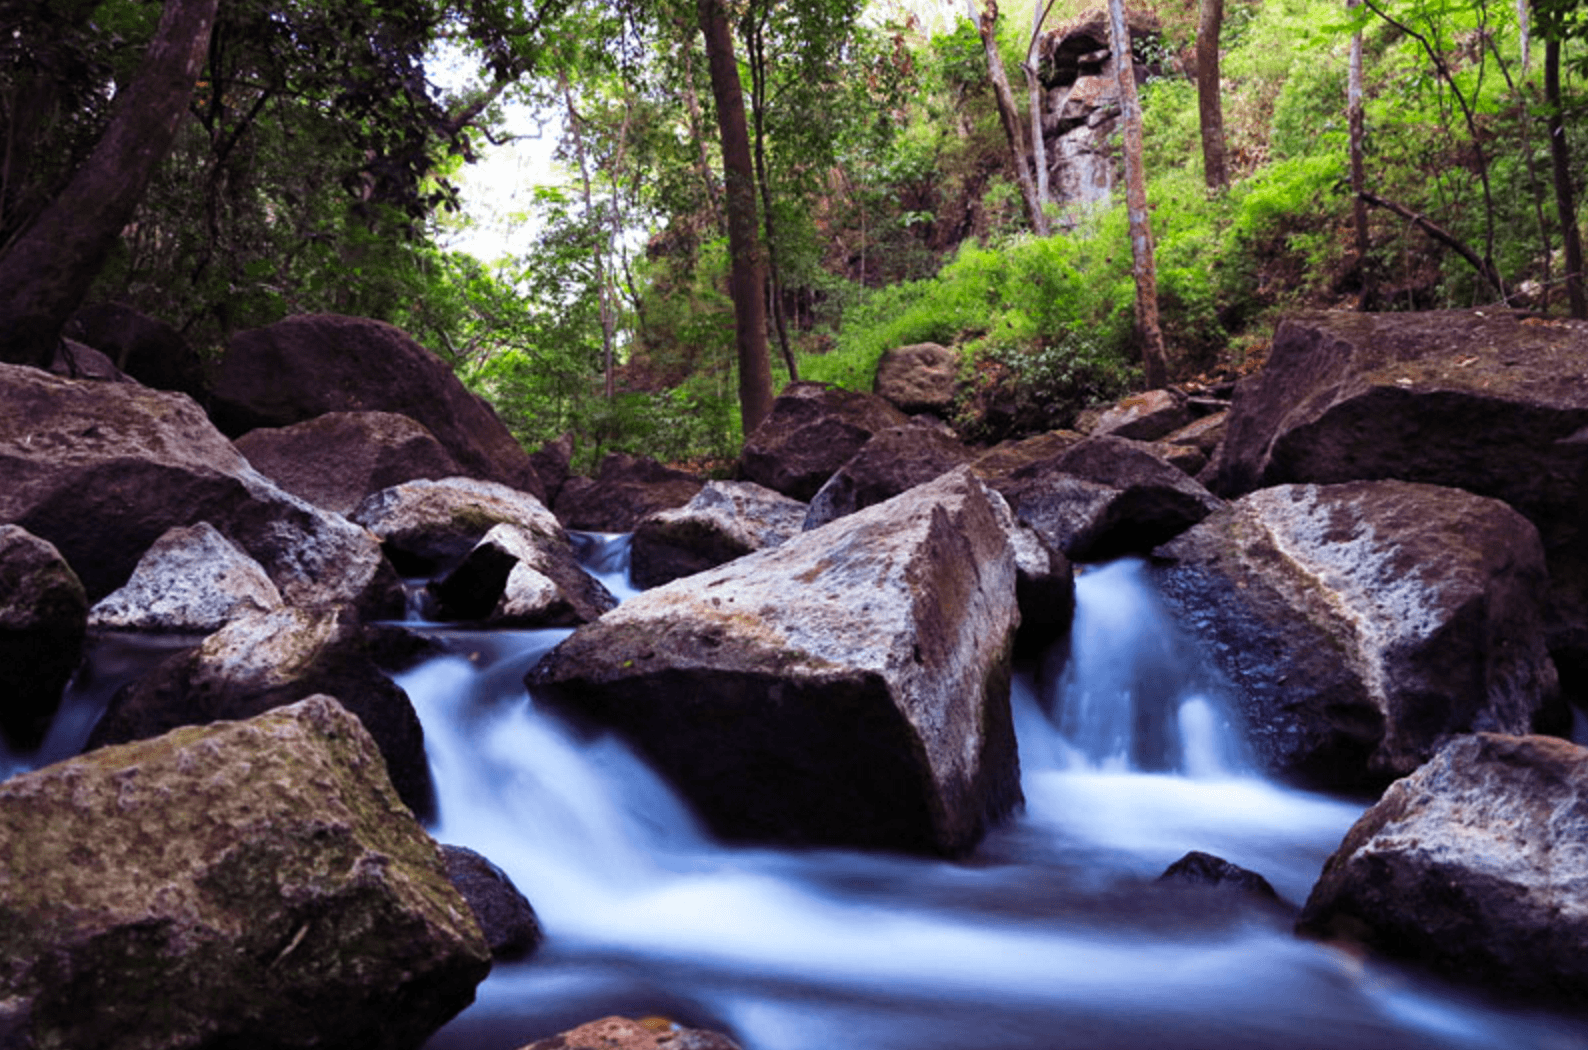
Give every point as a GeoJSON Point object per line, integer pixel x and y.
{"type": "Point", "coordinates": [424, 525]}
{"type": "Point", "coordinates": [506, 918]}
{"type": "Point", "coordinates": [1475, 866]}
{"type": "Point", "coordinates": [521, 577]}
{"type": "Point", "coordinates": [244, 884]}
{"type": "Point", "coordinates": [624, 490]}
{"type": "Point", "coordinates": [102, 470]}
{"type": "Point", "coordinates": [1365, 624]}
{"type": "Point", "coordinates": [923, 377]}
{"type": "Point", "coordinates": [622, 1033]}
{"type": "Point", "coordinates": [337, 459]}
{"type": "Point", "coordinates": [43, 619]}
{"type": "Point", "coordinates": [148, 350]}
{"type": "Point", "coordinates": [850, 687]}
{"type": "Point", "coordinates": [812, 430]}
{"type": "Point", "coordinates": [725, 520]}
{"type": "Point", "coordinates": [263, 661]}
{"type": "Point", "coordinates": [1204, 869]}
{"type": "Point", "coordinates": [893, 461]}
{"type": "Point", "coordinates": [192, 581]}
{"type": "Point", "coordinates": [1145, 417]}
{"type": "Point", "coordinates": [309, 365]}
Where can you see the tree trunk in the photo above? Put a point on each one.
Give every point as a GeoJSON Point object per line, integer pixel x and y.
{"type": "Point", "coordinates": [703, 161]}
{"type": "Point", "coordinates": [744, 248]}
{"type": "Point", "coordinates": [608, 318]}
{"type": "Point", "coordinates": [1354, 120]}
{"type": "Point", "coordinates": [1154, 360]}
{"type": "Point", "coordinates": [1210, 102]}
{"type": "Point", "coordinates": [987, 25]}
{"type": "Point", "coordinates": [1039, 146]}
{"type": "Point", "coordinates": [1560, 159]}
{"type": "Point", "coordinates": [49, 268]}
{"type": "Point", "coordinates": [755, 43]}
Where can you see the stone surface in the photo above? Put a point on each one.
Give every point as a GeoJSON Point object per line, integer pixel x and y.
{"type": "Point", "coordinates": [309, 365]}
{"type": "Point", "coordinates": [1203, 869]}
{"type": "Point", "coordinates": [150, 351]}
{"type": "Point", "coordinates": [43, 619]}
{"type": "Point", "coordinates": [923, 377]}
{"type": "Point", "coordinates": [337, 459]}
{"type": "Point", "coordinates": [850, 687]}
{"type": "Point", "coordinates": [505, 917]}
{"type": "Point", "coordinates": [193, 580]}
{"type": "Point", "coordinates": [520, 576]}
{"type": "Point", "coordinates": [1362, 625]}
{"type": "Point", "coordinates": [1145, 417]}
{"type": "Point", "coordinates": [102, 470]}
{"type": "Point", "coordinates": [812, 430]}
{"type": "Point", "coordinates": [266, 660]}
{"type": "Point", "coordinates": [1203, 434]}
{"type": "Point", "coordinates": [893, 461]}
{"type": "Point", "coordinates": [248, 884]}
{"type": "Point", "coordinates": [424, 525]}
{"type": "Point", "coordinates": [624, 490]}
{"type": "Point", "coordinates": [1475, 866]}
{"type": "Point", "coordinates": [725, 520]}
{"type": "Point", "coordinates": [623, 1033]}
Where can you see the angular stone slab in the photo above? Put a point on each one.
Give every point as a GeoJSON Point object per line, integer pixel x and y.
{"type": "Point", "coordinates": [193, 580]}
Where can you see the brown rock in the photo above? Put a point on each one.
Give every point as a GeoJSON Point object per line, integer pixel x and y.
{"type": "Point", "coordinates": [1145, 417]}
{"type": "Point", "coordinates": [622, 1033]}
{"type": "Point", "coordinates": [813, 430]}
{"type": "Point", "coordinates": [43, 619]}
{"type": "Point", "coordinates": [895, 460]}
{"type": "Point", "coordinates": [725, 520]}
{"type": "Point", "coordinates": [923, 377]}
{"type": "Point", "coordinates": [150, 351]}
{"type": "Point", "coordinates": [624, 490]}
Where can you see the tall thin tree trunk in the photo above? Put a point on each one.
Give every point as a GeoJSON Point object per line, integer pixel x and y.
{"type": "Point", "coordinates": [1354, 120]}
{"type": "Point", "coordinates": [987, 25]}
{"type": "Point", "coordinates": [1032, 69]}
{"type": "Point", "coordinates": [49, 268]}
{"type": "Point", "coordinates": [756, 43]}
{"type": "Point", "coordinates": [1524, 31]}
{"type": "Point", "coordinates": [1154, 360]}
{"type": "Point", "coordinates": [1560, 158]}
{"type": "Point", "coordinates": [1210, 101]}
{"type": "Point", "coordinates": [744, 247]}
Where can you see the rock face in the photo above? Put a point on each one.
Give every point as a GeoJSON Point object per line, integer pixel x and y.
{"type": "Point", "coordinates": [893, 461]}
{"type": "Point", "coordinates": [505, 917]}
{"type": "Point", "coordinates": [102, 470]}
{"type": "Point", "coordinates": [1476, 866]}
{"type": "Point", "coordinates": [1478, 401]}
{"type": "Point", "coordinates": [812, 430]}
{"type": "Point", "coordinates": [337, 459]}
{"type": "Point", "coordinates": [1365, 624]}
{"type": "Point", "coordinates": [850, 687]}
{"type": "Point", "coordinates": [193, 580]}
{"type": "Point", "coordinates": [266, 660]}
{"type": "Point", "coordinates": [43, 619]}
{"type": "Point", "coordinates": [306, 366]}
{"type": "Point", "coordinates": [923, 377]}
{"type": "Point", "coordinates": [725, 520]}
{"type": "Point", "coordinates": [623, 1033]}
{"type": "Point", "coordinates": [624, 490]}
{"type": "Point", "coordinates": [245, 884]}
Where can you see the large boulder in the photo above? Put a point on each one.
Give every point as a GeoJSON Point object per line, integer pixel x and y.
{"type": "Point", "coordinates": [150, 351]}
{"type": "Point", "coordinates": [624, 490]}
{"type": "Point", "coordinates": [812, 430]}
{"type": "Point", "coordinates": [249, 884]}
{"type": "Point", "coordinates": [893, 461]}
{"type": "Point", "coordinates": [1363, 625]}
{"type": "Point", "coordinates": [309, 365]}
{"type": "Point", "coordinates": [262, 661]}
{"type": "Point", "coordinates": [922, 377]}
{"type": "Point", "coordinates": [848, 688]}
{"type": "Point", "coordinates": [1478, 400]}
{"type": "Point", "coordinates": [192, 581]}
{"type": "Point", "coordinates": [102, 470]}
{"type": "Point", "coordinates": [425, 524]}
{"type": "Point", "coordinates": [725, 520]}
{"type": "Point", "coordinates": [43, 619]}
{"type": "Point", "coordinates": [1474, 866]}
{"type": "Point", "coordinates": [521, 577]}
{"type": "Point", "coordinates": [337, 459]}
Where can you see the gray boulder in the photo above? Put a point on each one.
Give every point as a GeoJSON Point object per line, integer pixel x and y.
{"type": "Point", "coordinates": [518, 576]}
{"type": "Point", "coordinates": [812, 430]}
{"type": "Point", "coordinates": [1475, 866]}
{"type": "Point", "coordinates": [192, 580]}
{"type": "Point", "coordinates": [506, 918]}
{"type": "Point", "coordinates": [424, 525]}
{"type": "Point", "coordinates": [43, 619]}
{"type": "Point", "coordinates": [849, 688]}
{"type": "Point", "coordinates": [1363, 625]}
{"type": "Point", "coordinates": [725, 520]}
{"type": "Point", "coordinates": [244, 884]}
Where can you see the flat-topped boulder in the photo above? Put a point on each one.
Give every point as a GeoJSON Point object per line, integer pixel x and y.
{"type": "Point", "coordinates": [812, 430]}
{"type": "Point", "coordinates": [849, 688]}
{"type": "Point", "coordinates": [43, 620]}
{"type": "Point", "coordinates": [1363, 625]}
{"type": "Point", "coordinates": [251, 883]}
{"type": "Point", "coordinates": [724, 521]}
{"type": "Point", "coordinates": [426, 524]}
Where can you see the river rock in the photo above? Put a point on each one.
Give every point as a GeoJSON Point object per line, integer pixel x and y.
{"type": "Point", "coordinates": [1145, 417]}
{"type": "Point", "coordinates": [1475, 865]}
{"type": "Point", "coordinates": [193, 580]}
{"type": "Point", "coordinates": [424, 525]}
{"type": "Point", "coordinates": [309, 365]}
{"type": "Point", "coordinates": [923, 377]}
{"type": "Point", "coordinates": [505, 917]}
{"type": "Point", "coordinates": [623, 1033]}
{"type": "Point", "coordinates": [337, 459]}
{"type": "Point", "coordinates": [522, 577]}
{"type": "Point", "coordinates": [1204, 869]}
{"type": "Point", "coordinates": [74, 360]}
{"type": "Point", "coordinates": [1485, 401]}
{"type": "Point", "coordinates": [1205, 434]}
{"type": "Point", "coordinates": [893, 461]}
{"type": "Point", "coordinates": [43, 619]}
{"type": "Point", "coordinates": [251, 884]}
{"type": "Point", "coordinates": [624, 490]}
{"type": "Point", "coordinates": [725, 520]}
{"type": "Point", "coordinates": [262, 661]}
{"type": "Point", "coordinates": [1365, 624]}
{"type": "Point", "coordinates": [102, 470]}
{"type": "Point", "coordinates": [848, 688]}
{"type": "Point", "coordinates": [812, 430]}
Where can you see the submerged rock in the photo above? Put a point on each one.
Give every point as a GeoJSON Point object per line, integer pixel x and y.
{"type": "Point", "coordinates": [1475, 866]}
{"type": "Point", "coordinates": [1204, 869]}
{"type": "Point", "coordinates": [725, 520]}
{"type": "Point", "coordinates": [43, 620]}
{"type": "Point", "coordinates": [244, 884]}
{"type": "Point", "coordinates": [850, 687]}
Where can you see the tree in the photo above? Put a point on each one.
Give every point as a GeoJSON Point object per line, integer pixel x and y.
{"type": "Point", "coordinates": [47, 270]}
{"type": "Point", "coordinates": [1034, 93]}
{"type": "Point", "coordinates": [1556, 20]}
{"type": "Point", "coordinates": [986, 24]}
{"type": "Point", "coordinates": [1210, 104]}
{"type": "Point", "coordinates": [1356, 133]}
{"type": "Point", "coordinates": [1148, 332]}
